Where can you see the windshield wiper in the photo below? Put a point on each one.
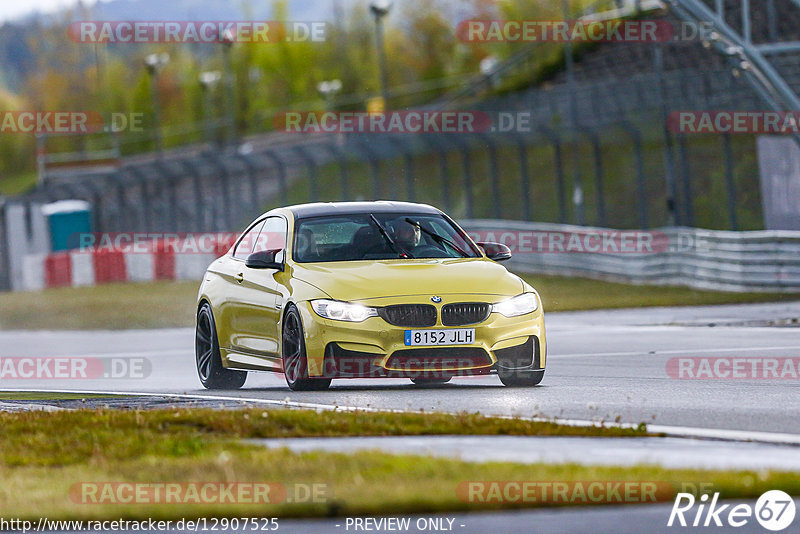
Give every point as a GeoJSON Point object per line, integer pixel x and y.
{"type": "Point", "coordinates": [438, 238]}
{"type": "Point", "coordinates": [397, 248]}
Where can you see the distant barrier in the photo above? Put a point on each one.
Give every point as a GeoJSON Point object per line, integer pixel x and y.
{"type": "Point", "coordinates": [764, 261]}
{"type": "Point", "coordinates": [703, 259]}
{"type": "Point", "coordinates": [94, 267]}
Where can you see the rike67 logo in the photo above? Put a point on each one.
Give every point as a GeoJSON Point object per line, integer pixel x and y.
{"type": "Point", "coordinates": [774, 510]}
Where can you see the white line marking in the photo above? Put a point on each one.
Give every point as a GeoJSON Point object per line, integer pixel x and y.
{"type": "Point", "coordinates": [171, 352]}
{"type": "Point", "coordinates": [675, 431]}
{"type": "Point", "coordinates": [551, 354]}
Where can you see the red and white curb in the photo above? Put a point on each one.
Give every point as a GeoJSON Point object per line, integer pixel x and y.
{"type": "Point", "coordinates": [78, 268]}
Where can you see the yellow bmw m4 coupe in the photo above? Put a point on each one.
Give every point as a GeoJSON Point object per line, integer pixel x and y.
{"type": "Point", "coordinates": [365, 290]}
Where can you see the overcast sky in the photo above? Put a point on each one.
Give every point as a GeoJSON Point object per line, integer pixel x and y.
{"type": "Point", "coordinates": [11, 9]}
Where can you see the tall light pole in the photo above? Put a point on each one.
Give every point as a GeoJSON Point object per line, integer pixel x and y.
{"type": "Point", "coordinates": [381, 8]}
{"type": "Point", "coordinates": [488, 67]}
{"type": "Point", "coordinates": [227, 39]}
{"type": "Point", "coordinates": [154, 63]}
{"type": "Point", "coordinates": [329, 90]}
{"type": "Point", "coordinates": [208, 80]}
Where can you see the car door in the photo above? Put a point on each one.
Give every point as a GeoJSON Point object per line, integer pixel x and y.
{"type": "Point", "coordinates": [229, 268]}
{"type": "Point", "coordinates": [254, 294]}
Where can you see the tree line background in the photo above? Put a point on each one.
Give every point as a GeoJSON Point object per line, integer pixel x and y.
{"type": "Point", "coordinates": [42, 69]}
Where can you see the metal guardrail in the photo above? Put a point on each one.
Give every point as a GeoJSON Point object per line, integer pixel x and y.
{"type": "Point", "coordinates": [758, 261]}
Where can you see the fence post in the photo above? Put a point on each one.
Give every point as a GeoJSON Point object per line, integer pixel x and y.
{"type": "Point", "coordinates": [669, 156]}
{"type": "Point", "coordinates": [641, 187]}
{"type": "Point", "coordinates": [5, 259]}
{"type": "Point", "coordinates": [343, 175]}
{"type": "Point", "coordinates": [146, 210]}
{"type": "Point", "coordinates": [730, 183]}
{"type": "Point", "coordinates": [374, 165]}
{"type": "Point", "coordinates": [311, 165]}
{"type": "Point", "coordinates": [41, 159]}
{"type": "Point", "coordinates": [124, 215]}
{"type": "Point", "coordinates": [467, 164]}
{"type": "Point", "coordinates": [408, 161]}
{"type": "Point", "coordinates": [494, 180]}
{"type": "Point", "coordinates": [686, 181]}
{"type": "Point", "coordinates": [223, 181]}
{"type": "Point", "coordinates": [96, 192]}
{"type": "Point", "coordinates": [173, 205]}
{"type": "Point", "coordinates": [597, 153]}
{"type": "Point", "coordinates": [281, 167]}
{"type": "Point", "coordinates": [252, 181]}
{"type": "Point", "coordinates": [524, 176]}
{"type": "Point", "coordinates": [434, 141]}
{"type": "Point", "coordinates": [559, 168]}
{"type": "Point", "coordinates": [199, 199]}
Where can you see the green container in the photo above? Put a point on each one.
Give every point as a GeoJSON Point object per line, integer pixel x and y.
{"type": "Point", "coordinates": [67, 220]}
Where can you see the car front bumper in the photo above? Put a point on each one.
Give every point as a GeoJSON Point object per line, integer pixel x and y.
{"type": "Point", "coordinates": [375, 348]}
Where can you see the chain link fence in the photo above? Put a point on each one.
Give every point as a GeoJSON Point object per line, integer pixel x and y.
{"type": "Point", "coordinates": [595, 150]}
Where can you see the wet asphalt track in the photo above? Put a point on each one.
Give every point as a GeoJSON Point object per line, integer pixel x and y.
{"type": "Point", "coordinates": [606, 365]}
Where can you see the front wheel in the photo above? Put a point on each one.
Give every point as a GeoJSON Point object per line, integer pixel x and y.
{"type": "Point", "coordinates": [295, 362]}
{"type": "Point", "coordinates": [520, 377]}
{"type": "Point", "coordinates": [213, 375]}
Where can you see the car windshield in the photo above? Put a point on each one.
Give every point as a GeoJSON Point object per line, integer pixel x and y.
{"type": "Point", "coordinates": [379, 236]}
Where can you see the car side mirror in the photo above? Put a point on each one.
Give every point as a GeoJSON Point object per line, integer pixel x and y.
{"type": "Point", "coordinates": [496, 251]}
{"type": "Point", "coordinates": [264, 259]}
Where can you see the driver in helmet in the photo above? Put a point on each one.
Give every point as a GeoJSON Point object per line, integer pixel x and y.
{"type": "Point", "coordinates": [407, 236]}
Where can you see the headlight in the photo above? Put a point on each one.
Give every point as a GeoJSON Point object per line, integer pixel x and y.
{"type": "Point", "coordinates": [519, 305]}
{"type": "Point", "coordinates": [342, 311]}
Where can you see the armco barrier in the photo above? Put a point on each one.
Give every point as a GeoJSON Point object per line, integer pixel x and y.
{"type": "Point", "coordinates": [703, 259]}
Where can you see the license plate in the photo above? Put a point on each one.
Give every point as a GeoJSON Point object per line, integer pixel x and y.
{"type": "Point", "coordinates": [450, 336]}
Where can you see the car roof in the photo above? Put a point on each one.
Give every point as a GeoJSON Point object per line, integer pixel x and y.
{"type": "Point", "coordinates": [317, 209]}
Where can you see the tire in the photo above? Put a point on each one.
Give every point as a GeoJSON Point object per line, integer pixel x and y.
{"type": "Point", "coordinates": [431, 381]}
{"type": "Point", "coordinates": [212, 374]}
{"type": "Point", "coordinates": [295, 361]}
{"type": "Point", "coordinates": [520, 378]}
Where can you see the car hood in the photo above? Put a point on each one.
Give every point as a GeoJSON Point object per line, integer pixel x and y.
{"type": "Point", "coordinates": [361, 280]}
